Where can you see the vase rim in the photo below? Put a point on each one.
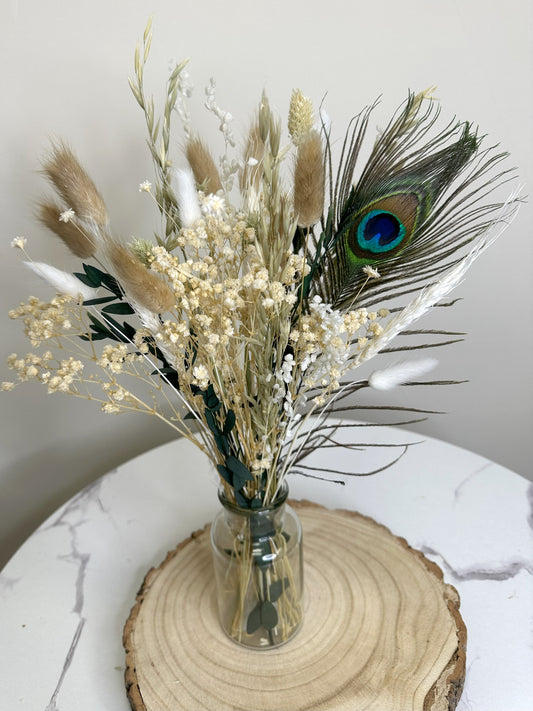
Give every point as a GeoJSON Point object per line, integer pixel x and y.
{"type": "Point", "coordinates": [280, 499]}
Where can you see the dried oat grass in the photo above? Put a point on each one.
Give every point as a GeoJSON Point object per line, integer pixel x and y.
{"type": "Point", "coordinates": [254, 152]}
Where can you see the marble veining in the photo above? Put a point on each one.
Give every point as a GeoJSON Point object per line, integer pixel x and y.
{"type": "Point", "coordinates": [504, 571]}
{"type": "Point", "coordinates": [52, 705]}
{"type": "Point", "coordinates": [72, 516]}
{"type": "Point", "coordinates": [529, 495]}
{"type": "Point", "coordinates": [467, 480]}
{"type": "Point", "coordinates": [7, 584]}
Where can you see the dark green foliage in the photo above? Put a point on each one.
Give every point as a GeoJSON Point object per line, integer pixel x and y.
{"type": "Point", "coordinates": [277, 588]}
{"type": "Point", "coordinates": [264, 615]}
{"type": "Point", "coordinates": [253, 623]}
{"type": "Point", "coordinates": [120, 308]}
{"type": "Point", "coordinates": [96, 277]}
{"type": "Point", "coordinates": [234, 472]}
{"type": "Point", "coordinates": [269, 615]}
{"type": "Point", "coordinates": [225, 473]}
{"type": "Point", "coordinates": [241, 473]}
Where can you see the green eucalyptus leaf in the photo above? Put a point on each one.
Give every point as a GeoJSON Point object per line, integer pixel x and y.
{"type": "Point", "coordinates": [111, 284]}
{"type": "Point", "coordinates": [269, 615]}
{"type": "Point", "coordinates": [238, 468]}
{"type": "Point", "coordinates": [225, 474]}
{"type": "Point", "coordinates": [128, 331]}
{"type": "Point", "coordinates": [253, 623]}
{"type": "Point", "coordinates": [97, 325]}
{"type": "Point", "coordinates": [229, 424]}
{"type": "Point", "coordinates": [211, 423]}
{"type": "Point", "coordinates": [211, 400]}
{"type": "Point", "coordinates": [94, 274]}
{"type": "Point", "coordinates": [101, 300]}
{"type": "Point", "coordinates": [120, 308]}
{"type": "Point", "coordinates": [84, 279]}
{"type": "Point", "coordinates": [222, 445]}
{"type": "Point", "coordinates": [241, 500]}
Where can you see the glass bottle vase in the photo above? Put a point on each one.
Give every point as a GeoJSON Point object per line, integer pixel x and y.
{"type": "Point", "coordinates": [258, 564]}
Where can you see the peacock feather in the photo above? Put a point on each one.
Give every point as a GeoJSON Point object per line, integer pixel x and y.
{"type": "Point", "coordinates": [412, 209]}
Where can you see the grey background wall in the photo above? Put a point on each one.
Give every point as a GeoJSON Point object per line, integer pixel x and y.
{"type": "Point", "coordinates": [65, 69]}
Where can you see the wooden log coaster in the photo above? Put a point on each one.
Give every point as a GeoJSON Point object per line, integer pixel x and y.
{"type": "Point", "coordinates": [381, 630]}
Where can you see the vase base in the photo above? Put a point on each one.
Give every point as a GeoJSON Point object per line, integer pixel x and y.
{"type": "Point", "coordinates": [267, 645]}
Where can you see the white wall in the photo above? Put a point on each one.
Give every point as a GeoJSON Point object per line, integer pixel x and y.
{"type": "Point", "coordinates": [64, 73]}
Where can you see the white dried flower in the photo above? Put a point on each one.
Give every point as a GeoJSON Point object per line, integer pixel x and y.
{"type": "Point", "coordinates": [145, 186]}
{"type": "Point", "coordinates": [66, 215]}
{"type": "Point", "coordinates": [213, 205]}
{"type": "Point", "coordinates": [19, 242]}
{"type": "Point", "coordinates": [371, 272]}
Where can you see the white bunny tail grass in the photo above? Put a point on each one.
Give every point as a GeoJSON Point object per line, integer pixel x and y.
{"type": "Point", "coordinates": [62, 281]}
{"type": "Point", "coordinates": [187, 197]}
{"type": "Point", "coordinates": [399, 373]}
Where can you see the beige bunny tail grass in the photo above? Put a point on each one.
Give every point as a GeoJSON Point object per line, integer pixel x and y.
{"type": "Point", "coordinates": [74, 185]}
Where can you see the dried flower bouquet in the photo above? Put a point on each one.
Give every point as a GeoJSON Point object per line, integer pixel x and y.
{"type": "Point", "coordinates": [269, 280]}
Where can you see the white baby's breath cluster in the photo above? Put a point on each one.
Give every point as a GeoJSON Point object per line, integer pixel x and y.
{"type": "Point", "coordinates": [44, 320]}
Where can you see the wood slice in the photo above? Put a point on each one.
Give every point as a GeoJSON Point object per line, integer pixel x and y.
{"type": "Point", "coordinates": [381, 630]}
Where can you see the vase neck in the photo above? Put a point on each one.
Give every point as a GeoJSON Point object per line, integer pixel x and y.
{"type": "Point", "coordinates": [276, 504]}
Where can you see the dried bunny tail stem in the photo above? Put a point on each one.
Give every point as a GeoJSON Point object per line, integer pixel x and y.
{"type": "Point", "coordinates": [139, 283]}
{"type": "Point", "coordinates": [74, 185]}
{"type": "Point", "coordinates": [63, 282]}
{"type": "Point", "coordinates": [71, 233]}
{"type": "Point", "coordinates": [432, 294]}
{"type": "Point", "coordinates": [309, 180]}
{"type": "Point", "coordinates": [203, 166]}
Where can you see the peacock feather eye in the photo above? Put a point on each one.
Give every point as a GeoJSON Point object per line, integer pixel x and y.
{"type": "Point", "coordinates": [384, 226]}
{"type": "Point", "coordinates": [379, 231]}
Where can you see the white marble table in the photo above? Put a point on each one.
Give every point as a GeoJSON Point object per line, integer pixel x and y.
{"type": "Point", "coordinates": [66, 593]}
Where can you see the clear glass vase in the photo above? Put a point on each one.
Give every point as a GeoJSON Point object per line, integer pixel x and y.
{"type": "Point", "coordinates": [258, 562]}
